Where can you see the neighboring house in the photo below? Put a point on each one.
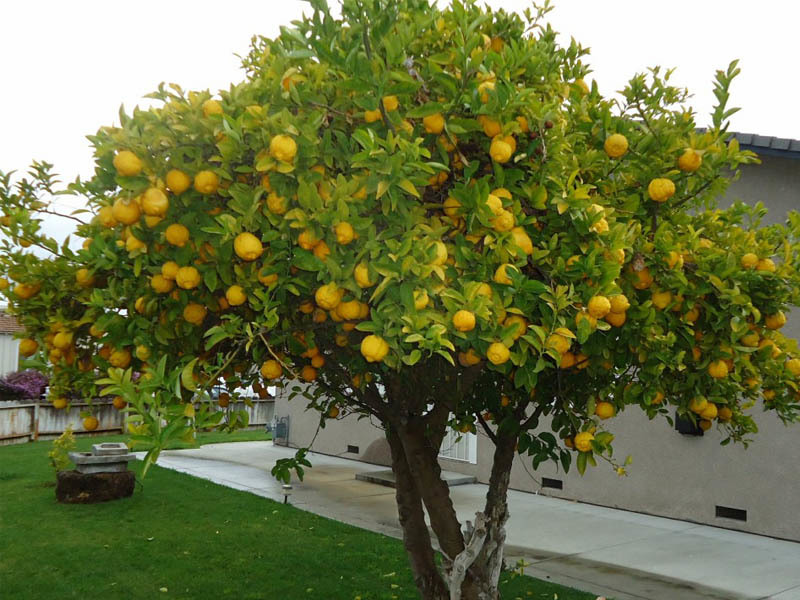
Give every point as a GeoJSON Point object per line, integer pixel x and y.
{"type": "Point", "coordinates": [672, 475]}
{"type": "Point", "coordinates": [9, 347]}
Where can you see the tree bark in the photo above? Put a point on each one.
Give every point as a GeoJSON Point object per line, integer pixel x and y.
{"type": "Point", "coordinates": [490, 559]}
{"type": "Point", "coordinates": [416, 538]}
{"type": "Point", "coordinates": [422, 457]}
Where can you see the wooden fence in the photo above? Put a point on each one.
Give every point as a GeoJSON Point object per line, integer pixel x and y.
{"type": "Point", "coordinates": [23, 422]}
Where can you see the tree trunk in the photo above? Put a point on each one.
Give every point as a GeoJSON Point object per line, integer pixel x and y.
{"type": "Point", "coordinates": [416, 538]}
{"type": "Point", "coordinates": [490, 559]}
{"type": "Point", "coordinates": [422, 459]}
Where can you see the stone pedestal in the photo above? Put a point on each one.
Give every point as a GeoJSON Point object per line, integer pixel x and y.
{"type": "Point", "coordinates": [99, 475]}
{"type": "Point", "coordinates": [88, 488]}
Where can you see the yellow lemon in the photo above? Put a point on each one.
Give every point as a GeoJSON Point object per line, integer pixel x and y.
{"type": "Point", "coordinates": [178, 181]}
{"type": "Point", "coordinates": [271, 369]}
{"type": "Point", "coordinates": [127, 163]}
{"type": "Point", "coordinates": [390, 103]}
{"type": "Point", "coordinates": [211, 107]}
{"type": "Point", "coordinates": [349, 310]}
{"type": "Point", "coordinates": [661, 299]}
{"type": "Point", "coordinates": [710, 412]}
{"type": "Point", "coordinates": [583, 441]}
{"type": "Point", "coordinates": [247, 246]}
{"type": "Point", "coordinates": [328, 296]}
{"type": "Point", "coordinates": [661, 189]}
{"type": "Point", "coordinates": [616, 319]}
{"type": "Point", "coordinates": [133, 243]}
{"type": "Point", "coordinates": [194, 313]}
{"type": "Point", "coordinates": [775, 321]}
{"type": "Point", "coordinates": [521, 239]}
{"type": "Point", "coordinates": [155, 202]}
{"type": "Point", "coordinates": [161, 284]}
{"type": "Point", "coordinates": [599, 306]}
{"type": "Point", "coordinates": [283, 148]}
{"type": "Point", "coordinates": [500, 150]}
{"type": "Point", "coordinates": [689, 161]}
{"type": "Point", "coordinates": [83, 277]}
{"type": "Point", "coordinates": [344, 233]}
{"type": "Point", "coordinates": [187, 278]}
{"type": "Point", "coordinates": [468, 358]}
{"type": "Point", "coordinates": [374, 348]}
{"type": "Point", "coordinates": [557, 342]}
{"type": "Point", "coordinates": [718, 369]}
{"type": "Point", "coordinates": [619, 303]}
{"type": "Point", "coordinates": [371, 116]}
{"type": "Point", "coordinates": [420, 299]}
{"type": "Point", "coordinates": [177, 235]}
{"type": "Point", "coordinates": [604, 410]}
{"type": "Point", "coordinates": [307, 239]}
{"type": "Point", "coordinates": [169, 270]}
{"type": "Point", "coordinates": [498, 353]}
{"type": "Point", "coordinates": [28, 347]}
{"type": "Point", "coordinates": [766, 264]}
{"type": "Point", "coordinates": [749, 261]}
{"type": "Point", "coordinates": [491, 127]}
{"type": "Point", "coordinates": [433, 123]}
{"type": "Point", "coordinates": [120, 358]}
{"type": "Point", "coordinates": [206, 182]}
{"type": "Point", "coordinates": [125, 211]}
{"type": "Point", "coordinates": [521, 325]}
{"type": "Point", "coordinates": [464, 320]}
{"type": "Point", "coordinates": [500, 275]}
{"type": "Point", "coordinates": [106, 216]}
{"type": "Point", "coordinates": [698, 405]}
{"type": "Point", "coordinates": [235, 295]}
{"type": "Point", "coordinates": [616, 145]}
{"type": "Point", "coordinates": [361, 275]}
{"type": "Point", "coordinates": [277, 205]}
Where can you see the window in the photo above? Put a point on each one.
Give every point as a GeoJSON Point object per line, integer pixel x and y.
{"type": "Point", "coordinates": [460, 446]}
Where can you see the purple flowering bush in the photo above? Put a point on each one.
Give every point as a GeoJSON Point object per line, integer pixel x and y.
{"type": "Point", "coordinates": [22, 384]}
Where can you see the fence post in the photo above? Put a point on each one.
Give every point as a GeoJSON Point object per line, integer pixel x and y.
{"type": "Point", "coordinates": [35, 421]}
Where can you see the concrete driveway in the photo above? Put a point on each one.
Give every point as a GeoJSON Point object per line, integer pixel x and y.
{"type": "Point", "coordinates": [610, 552]}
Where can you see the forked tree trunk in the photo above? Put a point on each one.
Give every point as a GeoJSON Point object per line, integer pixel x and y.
{"type": "Point", "coordinates": [472, 565]}
{"type": "Point", "coordinates": [416, 538]}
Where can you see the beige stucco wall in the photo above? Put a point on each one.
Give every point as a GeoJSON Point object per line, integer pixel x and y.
{"type": "Point", "coordinates": [672, 475]}
{"type": "Point", "coordinates": [337, 435]}
{"type": "Point", "coordinates": [683, 477]}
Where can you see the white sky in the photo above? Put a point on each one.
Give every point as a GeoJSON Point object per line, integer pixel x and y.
{"type": "Point", "coordinates": [66, 67]}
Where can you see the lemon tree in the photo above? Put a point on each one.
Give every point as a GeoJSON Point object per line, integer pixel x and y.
{"type": "Point", "coordinates": [426, 216]}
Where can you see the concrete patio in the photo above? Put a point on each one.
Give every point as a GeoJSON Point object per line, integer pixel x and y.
{"type": "Point", "coordinates": [610, 552]}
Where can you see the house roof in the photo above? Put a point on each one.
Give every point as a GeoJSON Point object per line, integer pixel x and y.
{"type": "Point", "coordinates": [765, 144]}
{"type": "Point", "coordinates": [8, 324]}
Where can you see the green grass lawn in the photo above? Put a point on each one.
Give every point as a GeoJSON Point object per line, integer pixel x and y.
{"type": "Point", "coordinates": [183, 537]}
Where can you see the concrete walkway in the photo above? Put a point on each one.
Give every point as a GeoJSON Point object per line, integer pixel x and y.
{"type": "Point", "coordinates": [619, 554]}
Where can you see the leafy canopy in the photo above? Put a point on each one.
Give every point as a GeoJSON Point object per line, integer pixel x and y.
{"type": "Point", "coordinates": [430, 193]}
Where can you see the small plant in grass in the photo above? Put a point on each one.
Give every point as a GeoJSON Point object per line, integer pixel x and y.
{"type": "Point", "coordinates": [62, 445]}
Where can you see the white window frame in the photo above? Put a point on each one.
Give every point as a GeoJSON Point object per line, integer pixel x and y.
{"type": "Point", "coordinates": [451, 439]}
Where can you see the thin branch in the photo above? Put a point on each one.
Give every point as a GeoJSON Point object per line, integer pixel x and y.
{"type": "Point", "coordinates": [368, 49]}
{"type": "Point", "coordinates": [486, 428]}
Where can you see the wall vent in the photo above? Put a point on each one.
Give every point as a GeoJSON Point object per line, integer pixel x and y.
{"type": "Point", "coordinates": [555, 484]}
{"type": "Point", "coordinates": [726, 512]}
{"type": "Point", "coordinates": [352, 449]}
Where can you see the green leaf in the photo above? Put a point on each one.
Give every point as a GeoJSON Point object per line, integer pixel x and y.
{"type": "Point", "coordinates": [581, 463]}
{"type": "Point", "coordinates": [409, 187]}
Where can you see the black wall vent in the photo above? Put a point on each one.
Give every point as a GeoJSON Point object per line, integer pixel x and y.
{"type": "Point", "coordinates": [726, 512]}
{"type": "Point", "coordinates": [352, 449]}
{"type": "Point", "coordinates": [555, 484]}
